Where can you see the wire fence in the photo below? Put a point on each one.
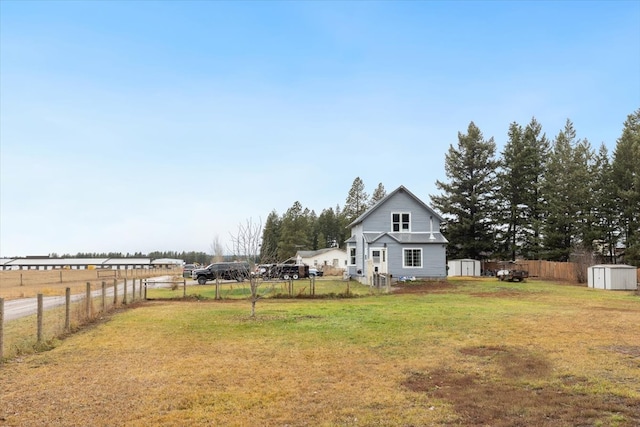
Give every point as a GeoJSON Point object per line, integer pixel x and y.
{"type": "Point", "coordinates": [32, 324]}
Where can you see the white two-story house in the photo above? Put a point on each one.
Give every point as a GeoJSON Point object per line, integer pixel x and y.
{"type": "Point", "coordinates": [399, 236]}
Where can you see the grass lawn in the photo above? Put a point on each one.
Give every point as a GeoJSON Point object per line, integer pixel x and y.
{"type": "Point", "coordinates": [461, 353]}
{"type": "Point", "coordinates": [325, 287]}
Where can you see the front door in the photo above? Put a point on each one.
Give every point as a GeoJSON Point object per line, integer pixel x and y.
{"type": "Point", "coordinates": [379, 260]}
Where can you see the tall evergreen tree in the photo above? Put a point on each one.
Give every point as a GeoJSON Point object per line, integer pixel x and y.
{"type": "Point", "coordinates": [605, 208]}
{"type": "Point", "coordinates": [513, 180]}
{"type": "Point", "coordinates": [329, 232]}
{"type": "Point", "coordinates": [467, 199]}
{"type": "Point", "coordinates": [378, 194]}
{"type": "Point", "coordinates": [343, 226]}
{"type": "Point", "coordinates": [357, 200]}
{"type": "Point", "coordinates": [270, 239]}
{"type": "Point", "coordinates": [583, 196]}
{"type": "Point", "coordinates": [626, 177]}
{"type": "Point", "coordinates": [538, 152]}
{"type": "Point", "coordinates": [311, 224]}
{"type": "Point", "coordinates": [294, 232]}
{"type": "Point", "coordinates": [567, 195]}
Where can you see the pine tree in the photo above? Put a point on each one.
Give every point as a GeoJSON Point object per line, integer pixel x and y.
{"type": "Point", "coordinates": [378, 194]}
{"type": "Point", "coordinates": [294, 232]}
{"type": "Point", "coordinates": [626, 177]}
{"type": "Point", "coordinates": [328, 229]}
{"type": "Point", "coordinates": [537, 143]}
{"type": "Point", "coordinates": [605, 208]}
{"type": "Point", "coordinates": [357, 200]}
{"type": "Point", "coordinates": [583, 196]}
{"type": "Point", "coordinates": [270, 239]}
{"type": "Point", "coordinates": [513, 179]}
{"type": "Point", "coordinates": [312, 229]}
{"type": "Point", "coordinates": [467, 199]}
{"type": "Point", "coordinates": [567, 195]}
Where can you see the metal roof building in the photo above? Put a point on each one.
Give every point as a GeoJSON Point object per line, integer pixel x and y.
{"type": "Point", "coordinates": [82, 263]}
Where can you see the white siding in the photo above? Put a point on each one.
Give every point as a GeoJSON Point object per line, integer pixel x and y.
{"type": "Point", "coordinates": [612, 277]}
{"type": "Point", "coordinates": [336, 258]}
{"type": "Point", "coordinates": [464, 267]}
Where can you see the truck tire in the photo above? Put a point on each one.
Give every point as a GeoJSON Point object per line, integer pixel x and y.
{"type": "Point", "coordinates": [295, 277]}
{"type": "Point", "coordinates": [285, 277]}
{"type": "Point", "coordinates": [202, 280]}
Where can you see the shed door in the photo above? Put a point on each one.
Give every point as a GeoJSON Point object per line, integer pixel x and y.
{"type": "Point", "coordinates": [379, 259]}
{"type": "Point", "coordinates": [599, 278]}
{"type": "Point", "coordinates": [468, 268]}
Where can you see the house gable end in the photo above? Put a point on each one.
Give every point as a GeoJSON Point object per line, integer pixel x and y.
{"type": "Point", "coordinates": [405, 195]}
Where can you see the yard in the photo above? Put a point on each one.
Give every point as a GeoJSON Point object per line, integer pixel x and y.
{"type": "Point", "coordinates": [456, 353]}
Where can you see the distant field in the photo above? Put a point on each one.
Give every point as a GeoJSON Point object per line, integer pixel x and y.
{"type": "Point", "coordinates": [457, 353]}
{"type": "Point", "coordinates": [28, 283]}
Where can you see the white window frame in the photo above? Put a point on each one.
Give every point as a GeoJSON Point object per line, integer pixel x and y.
{"type": "Point", "coordinates": [404, 258]}
{"type": "Point", "coordinates": [352, 255]}
{"type": "Point", "coordinates": [401, 222]}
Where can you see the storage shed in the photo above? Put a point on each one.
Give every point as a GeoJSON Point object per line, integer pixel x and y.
{"type": "Point", "coordinates": [612, 276]}
{"type": "Point", "coordinates": [464, 267]}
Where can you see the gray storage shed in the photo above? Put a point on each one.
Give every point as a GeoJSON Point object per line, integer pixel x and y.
{"type": "Point", "coordinates": [612, 276]}
{"type": "Point", "coordinates": [464, 267]}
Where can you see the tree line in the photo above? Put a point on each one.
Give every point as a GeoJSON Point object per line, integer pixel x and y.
{"type": "Point", "coordinates": [540, 198]}
{"type": "Point", "coordinates": [300, 228]}
{"type": "Point", "coordinates": [190, 257]}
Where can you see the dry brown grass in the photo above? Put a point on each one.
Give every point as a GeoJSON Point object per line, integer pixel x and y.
{"type": "Point", "coordinates": [28, 283]}
{"type": "Point", "coordinates": [443, 354]}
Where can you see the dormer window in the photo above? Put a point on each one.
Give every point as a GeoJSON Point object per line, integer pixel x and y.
{"type": "Point", "coordinates": [401, 222]}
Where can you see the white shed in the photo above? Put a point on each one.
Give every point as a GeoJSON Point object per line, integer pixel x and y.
{"type": "Point", "coordinates": [464, 267]}
{"type": "Point", "coordinates": [612, 276]}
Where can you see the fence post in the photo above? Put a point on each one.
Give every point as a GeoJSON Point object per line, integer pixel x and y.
{"type": "Point", "coordinates": [88, 300]}
{"type": "Point", "coordinates": [133, 289]}
{"type": "Point", "coordinates": [104, 296]}
{"type": "Point", "coordinates": [145, 289]}
{"type": "Point", "coordinates": [40, 313]}
{"type": "Point", "coordinates": [124, 298]}
{"type": "Point", "coordinates": [184, 288]}
{"type": "Point", "coordinates": [67, 309]}
{"type": "Point", "coordinates": [115, 292]}
{"type": "Point", "coordinates": [1, 329]}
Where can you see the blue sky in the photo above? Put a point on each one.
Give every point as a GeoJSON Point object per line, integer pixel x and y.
{"type": "Point", "coordinates": [139, 126]}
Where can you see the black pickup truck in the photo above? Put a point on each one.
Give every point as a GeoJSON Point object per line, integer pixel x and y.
{"type": "Point", "coordinates": [285, 271]}
{"type": "Point", "coordinates": [238, 271]}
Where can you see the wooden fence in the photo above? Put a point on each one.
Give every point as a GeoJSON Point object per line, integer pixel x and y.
{"type": "Point", "coordinates": [551, 270]}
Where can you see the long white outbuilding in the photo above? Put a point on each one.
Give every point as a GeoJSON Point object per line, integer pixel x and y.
{"type": "Point", "coordinates": [45, 263]}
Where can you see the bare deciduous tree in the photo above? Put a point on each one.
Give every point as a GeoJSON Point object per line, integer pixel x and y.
{"type": "Point", "coordinates": [246, 245]}
{"type": "Point", "coordinates": [217, 255]}
{"type": "Point", "coordinates": [217, 250]}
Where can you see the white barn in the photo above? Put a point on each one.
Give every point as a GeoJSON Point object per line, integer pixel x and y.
{"type": "Point", "coordinates": [464, 267]}
{"type": "Point", "coordinates": [612, 276]}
